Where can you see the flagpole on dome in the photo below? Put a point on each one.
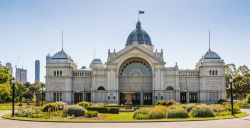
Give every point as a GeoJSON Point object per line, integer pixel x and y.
{"type": "Point", "coordinates": [140, 12]}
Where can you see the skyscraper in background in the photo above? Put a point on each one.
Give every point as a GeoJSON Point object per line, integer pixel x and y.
{"type": "Point", "coordinates": [21, 75]}
{"type": "Point", "coordinates": [9, 65]}
{"type": "Point", "coordinates": [37, 71]}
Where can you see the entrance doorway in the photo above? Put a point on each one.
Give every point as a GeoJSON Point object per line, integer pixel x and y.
{"type": "Point", "coordinates": [77, 97]}
{"type": "Point", "coordinates": [193, 97]}
{"type": "Point", "coordinates": [147, 98]}
{"type": "Point", "coordinates": [88, 97]}
{"type": "Point", "coordinates": [183, 97]}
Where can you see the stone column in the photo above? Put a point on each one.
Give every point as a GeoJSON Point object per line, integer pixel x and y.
{"type": "Point", "coordinates": [141, 98]}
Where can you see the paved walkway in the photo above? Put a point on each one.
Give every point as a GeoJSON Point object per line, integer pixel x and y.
{"type": "Point", "coordinates": [227, 123]}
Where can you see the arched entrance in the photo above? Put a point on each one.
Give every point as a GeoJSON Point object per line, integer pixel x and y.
{"type": "Point", "coordinates": [135, 74]}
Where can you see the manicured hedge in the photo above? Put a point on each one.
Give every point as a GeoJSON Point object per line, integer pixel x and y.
{"type": "Point", "coordinates": [158, 112]}
{"type": "Point", "coordinates": [202, 111]}
{"type": "Point", "coordinates": [90, 114]}
{"type": "Point", "coordinates": [53, 106]}
{"type": "Point", "coordinates": [101, 109]}
{"type": "Point", "coordinates": [75, 110]}
{"type": "Point", "coordinates": [165, 102]}
{"type": "Point", "coordinates": [84, 104]}
{"type": "Point", "coordinates": [177, 113]}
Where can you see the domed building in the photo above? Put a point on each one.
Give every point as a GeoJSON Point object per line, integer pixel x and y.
{"type": "Point", "coordinates": [138, 68]}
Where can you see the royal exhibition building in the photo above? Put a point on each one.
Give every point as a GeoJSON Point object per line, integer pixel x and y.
{"type": "Point", "coordinates": [137, 68]}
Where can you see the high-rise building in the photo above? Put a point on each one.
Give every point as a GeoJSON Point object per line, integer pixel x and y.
{"type": "Point", "coordinates": [8, 65]}
{"type": "Point", "coordinates": [21, 75]}
{"type": "Point", "coordinates": [37, 71]}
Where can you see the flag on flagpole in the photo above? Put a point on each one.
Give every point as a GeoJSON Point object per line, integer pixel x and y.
{"type": "Point", "coordinates": [141, 12]}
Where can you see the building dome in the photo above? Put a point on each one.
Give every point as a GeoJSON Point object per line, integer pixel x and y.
{"type": "Point", "coordinates": [138, 35]}
{"type": "Point", "coordinates": [96, 61]}
{"type": "Point", "coordinates": [61, 55]}
{"type": "Point", "coordinates": [211, 55]}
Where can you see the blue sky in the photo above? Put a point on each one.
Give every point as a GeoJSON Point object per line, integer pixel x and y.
{"type": "Point", "coordinates": [32, 29]}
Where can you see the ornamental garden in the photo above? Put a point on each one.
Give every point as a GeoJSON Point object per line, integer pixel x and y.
{"type": "Point", "coordinates": [163, 110]}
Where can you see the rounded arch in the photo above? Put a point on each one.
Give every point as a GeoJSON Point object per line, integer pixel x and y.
{"type": "Point", "coordinates": [135, 65]}
{"type": "Point", "coordinates": [138, 55]}
{"type": "Point", "coordinates": [101, 88]}
{"type": "Point", "coordinates": [169, 88]}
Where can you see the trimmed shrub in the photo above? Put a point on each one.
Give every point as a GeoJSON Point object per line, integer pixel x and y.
{"type": "Point", "coordinates": [75, 110]}
{"type": "Point", "coordinates": [54, 107]}
{"type": "Point", "coordinates": [26, 112]}
{"type": "Point", "coordinates": [90, 114]}
{"type": "Point", "coordinates": [202, 111]}
{"type": "Point", "coordinates": [101, 109]}
{"type": "Point", "coordinates": [248, 98]}
{"type": "Point", "coordinates": [177, 113]}
{"type": "Point", "coordinates": [84, 104]}
{"type": "Point", "coordinates": [158, 112]}
{"type": "Point", "coordinates": [189, 107]}
{"type": "Point", "coordinates": [165, 102]}
{"type": "Point", "coordinates": [217, 108]}
{"type": "Point", "coordinates": [236, 108]}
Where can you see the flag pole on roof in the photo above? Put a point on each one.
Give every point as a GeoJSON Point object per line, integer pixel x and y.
{"type": "Point", "coordinates": [140, 12]}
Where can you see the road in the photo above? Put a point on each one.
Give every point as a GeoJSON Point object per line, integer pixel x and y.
{"type": "Point", "coordinates": [243, 122]}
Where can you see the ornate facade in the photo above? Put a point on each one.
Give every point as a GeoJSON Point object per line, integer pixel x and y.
{"type": "Point", "coordinates": [138, 68]}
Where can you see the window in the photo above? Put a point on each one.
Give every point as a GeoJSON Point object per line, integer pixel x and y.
{"type": "Point", "coordinates": [101, 88]}
{"type": "Point", "coordinates": [213, 96]}
{"type": "Point", "coordinates": [169, 88]}
{"type": "Point", "coordinates": [54, 73]}
{"type": "Point", "coordinates": [60, 73]}
{"type": "Point", "coordinates": [57, 96]}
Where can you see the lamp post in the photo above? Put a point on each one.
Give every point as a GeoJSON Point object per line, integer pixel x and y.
{"type": "Point", "coordinates": [231, 93]}
{"type": "Point", "coordinates": [13, 96]}
{"type": "Point", "coordinates": [42, 93]}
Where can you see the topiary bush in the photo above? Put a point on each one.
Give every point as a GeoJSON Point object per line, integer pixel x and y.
{"type": "Point", "coordinates": [102, 109]}
{"type": "Point", "coordinates": [84, 104]}
{"type": "Point", "coordinates": [75, 110]}
{"type": "Point", "coordinates": [177, 113]}
{"type": "Point", "coordinates": [158, 112]}
{"type": "Point", "coordinates": [90, 114]}
{"type": "Point", "coordinates": [165, 102]}
{"type": "Point", "coordinates": [202, 111]}
{"type": "Point", "coordinates": [54, 107]}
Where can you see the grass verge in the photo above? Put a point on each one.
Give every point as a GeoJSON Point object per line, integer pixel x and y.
{"type": "Point", "coordinates": [123, 117]}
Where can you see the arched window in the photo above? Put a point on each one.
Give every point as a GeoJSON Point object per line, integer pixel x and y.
{"type": "Point", "coordinates": [169, 88]}
{"type": "Point", "coordinates": [101, 88]}
{"type": "Point", "coordinates": [216, 72]}
{"type": "Point", "coordinates": [57, 73]}
{"type": "Point", "coordinates": [54, 73]}
{"type": "Point", "coordinates": [213, 72]}
{"type": "Point", "coordinates": [60, 73]}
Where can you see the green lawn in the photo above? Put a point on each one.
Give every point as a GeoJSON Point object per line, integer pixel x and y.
{"type": "Point", "coordinates": [122, 117]}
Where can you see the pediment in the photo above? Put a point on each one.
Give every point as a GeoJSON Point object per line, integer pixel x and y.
{"type": "Point", "coordinates": [135, 51]}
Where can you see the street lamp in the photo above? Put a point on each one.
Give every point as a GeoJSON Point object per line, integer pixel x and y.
{"type": "Point", "coordinates": [231, 91]}
{"type": "Point", "coordinates": [42, 93]}
{"type": "Point", "coordinates": [13, 96]}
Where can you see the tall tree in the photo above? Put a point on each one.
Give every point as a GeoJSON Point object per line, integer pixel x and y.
{"type": "Point", "coordinates": [5, 84]}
